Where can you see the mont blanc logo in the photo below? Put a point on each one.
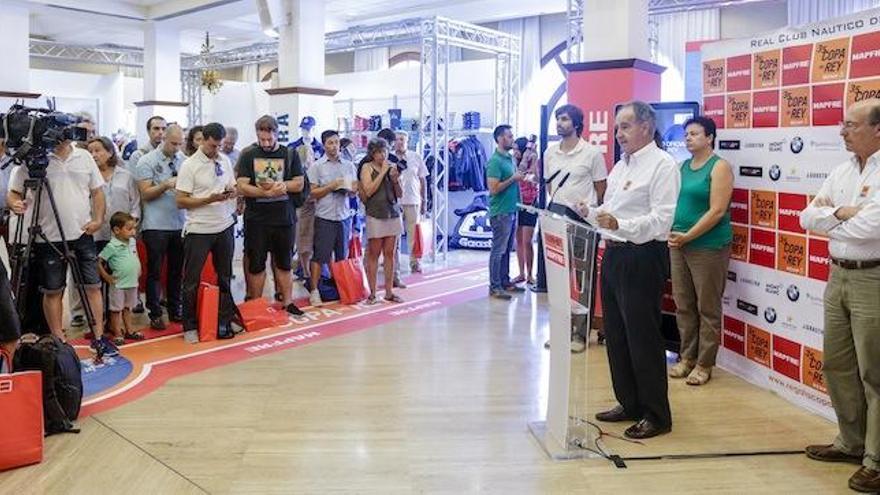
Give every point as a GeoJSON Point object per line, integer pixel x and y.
{"type": "Point", "coordinates": [770, 314]}
{"type": "Point", "coordinates": [797, 145]}
{"type": "Point", "coordinates": [774, 289]}
{"type": "Point", "coordinates": [776, 146]}
{"type": "Point", "coordinates": [775, 172]}
{"type": "Point", "coordinates": [793, 293]}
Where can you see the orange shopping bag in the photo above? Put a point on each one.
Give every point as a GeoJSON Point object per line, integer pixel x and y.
{"type": "Point", "coordinates": [208, 310]}
{"type": "Point", "coordinates": [350, 282]}
{"type": "Point", "coordinates": [259, 314]}
{"type": "Point", "coordinates": [21, 430]}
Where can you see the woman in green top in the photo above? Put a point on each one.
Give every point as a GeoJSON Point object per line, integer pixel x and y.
{"type": "Point", "coordinates": [700, 250]}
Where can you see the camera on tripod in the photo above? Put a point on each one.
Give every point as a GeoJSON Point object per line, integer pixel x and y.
{"type": "Point", "coordinates": [32, 132]}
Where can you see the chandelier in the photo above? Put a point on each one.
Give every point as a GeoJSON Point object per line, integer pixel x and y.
{"type": "Point", "coordinates": [210, 77]}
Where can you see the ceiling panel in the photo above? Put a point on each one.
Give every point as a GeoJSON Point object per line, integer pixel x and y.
{"type": "Point", "coordinates": [235, 23]}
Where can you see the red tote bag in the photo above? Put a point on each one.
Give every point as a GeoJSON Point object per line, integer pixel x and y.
{"type": "Point", "coordinates": [209, 311]}
{"type": "Point", "coordinates": [21, 430]}
{"type": "Point", "coordinates": [349, 277]}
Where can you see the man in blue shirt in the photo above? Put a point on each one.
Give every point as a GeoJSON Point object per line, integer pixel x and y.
{"type": "Point", "coordinates": [334, 181]}
{"type": "Point", "coordinates": [503, 179]}
{"type": "Point", "coordinates": [156, 174]}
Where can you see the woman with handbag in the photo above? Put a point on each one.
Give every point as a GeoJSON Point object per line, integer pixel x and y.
{"type": "Point", "coordinates": [526, 158]}
{"type": "Point", "coordinates": [380, 190]}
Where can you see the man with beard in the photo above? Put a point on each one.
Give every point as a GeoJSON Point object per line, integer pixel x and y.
{"type": "Point", "coordinates": [503, 180]}
{"type": "Point", "coordinates": [575, 172]}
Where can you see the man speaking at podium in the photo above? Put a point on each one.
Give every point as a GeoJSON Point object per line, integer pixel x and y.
{"type": "Point", "coordinates": [635, 221]}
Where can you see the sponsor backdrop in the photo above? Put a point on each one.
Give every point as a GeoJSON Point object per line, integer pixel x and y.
{"type": "Point", "coordinates": [778, 100]}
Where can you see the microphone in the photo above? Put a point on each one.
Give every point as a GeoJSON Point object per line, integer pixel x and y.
{"type": "Point", "coordinates": [557, 188]}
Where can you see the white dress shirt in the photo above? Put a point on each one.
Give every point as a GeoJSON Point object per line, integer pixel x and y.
{"type": "Point", "coordinates": [642, 194]}
{"type": "Point", "coordinates": [859, 237]}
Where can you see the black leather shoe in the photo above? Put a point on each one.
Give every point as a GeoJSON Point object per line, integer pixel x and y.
{"type": "Point", "coordinates": [225, 332]}
{"type": "Point", "coordinates": [615, 415]}
{"type": "Point", "coordinates": [645, 429]}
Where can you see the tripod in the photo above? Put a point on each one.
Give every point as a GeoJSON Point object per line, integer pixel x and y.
{"type": "Point", "coordinates": [21, 255]}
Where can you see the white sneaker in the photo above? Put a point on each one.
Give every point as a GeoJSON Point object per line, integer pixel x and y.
{"type": "Point", "coordinates": [315, 298]}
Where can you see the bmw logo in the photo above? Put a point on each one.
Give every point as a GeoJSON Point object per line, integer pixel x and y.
{"type": "Point", "coordinates": [770, 315]}
{"type": "Point", "coordinates": [797, 145]}
{"type": "Point", "coordinates": [775, 172]}
{"type": "Point", "coordinates": [793, 293]}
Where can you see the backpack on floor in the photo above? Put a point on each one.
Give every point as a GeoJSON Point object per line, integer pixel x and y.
{"type": "Point", "coordinates": [62, 379]}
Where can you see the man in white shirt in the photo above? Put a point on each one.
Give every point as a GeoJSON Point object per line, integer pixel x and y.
{"type": "Point", "coordinates": [575, 172]}
{"type": "Point", "coordinates": [413, 181]}
{"type": "Point", "coordinates": [635, 221]}
{"type": "Point", "coordinates": [74, 178]}
{"type": "Point", "coordinates": [206, 189]}
{"type": "Point", "coordinates": [847, 210]}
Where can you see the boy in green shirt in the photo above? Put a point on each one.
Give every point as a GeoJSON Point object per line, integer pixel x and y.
{"type": "Point", "coordinates": [125, 268]}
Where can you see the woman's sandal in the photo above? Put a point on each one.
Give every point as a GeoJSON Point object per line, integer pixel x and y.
{"type": "Point", "coordinates": [394, 298]}
{"type": "Point", "coordinates": [372, 300]}
{"type": "Point", "coordinates": [134, 336]}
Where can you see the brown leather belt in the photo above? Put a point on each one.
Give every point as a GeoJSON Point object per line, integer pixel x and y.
{"type": "Point", "coordinates": [856, 264]}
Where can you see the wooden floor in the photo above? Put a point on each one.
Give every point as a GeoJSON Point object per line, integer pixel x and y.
{"type": "Point", "coordinates": [438, 403]}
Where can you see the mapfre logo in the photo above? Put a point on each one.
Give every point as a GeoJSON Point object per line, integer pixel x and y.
{"type": "Point", "coordinates": [818, 261]}
{"type": "Point", "coordinates": [828, 103]}
{"type": "Point", "coordinates": [762, 248]}
{"type": "Point", "coordinates": [789, 212]}
{"type": "Point", "coordinates": [787, 358]}
{"type": "Point", "coordinates": [734, 335]}
{"type": "Point", "coordinates": [865, 57]}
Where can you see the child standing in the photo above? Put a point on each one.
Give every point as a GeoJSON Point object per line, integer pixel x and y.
{"type": "Point", "coordinates": [121, 255]}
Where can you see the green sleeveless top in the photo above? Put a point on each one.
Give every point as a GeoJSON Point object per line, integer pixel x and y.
{"type": "Point", "coordinates": [693, 203]}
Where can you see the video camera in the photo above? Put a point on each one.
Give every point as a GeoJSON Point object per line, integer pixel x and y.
{"type": "Point", "coordinates": [32, 132]}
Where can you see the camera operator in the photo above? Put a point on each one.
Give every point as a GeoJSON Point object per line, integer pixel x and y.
{"type": "Point", "coordinates": [74, 177]}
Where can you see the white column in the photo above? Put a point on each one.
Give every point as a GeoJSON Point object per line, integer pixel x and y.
{"type": "Point", "coordinates": [301, 67]}
{"type": "Point", "coordinates": [162, 87]}
{"type": "Point", "coordinates": [14, 38]}
{"type": "Point", "coordinates": [615, 30]}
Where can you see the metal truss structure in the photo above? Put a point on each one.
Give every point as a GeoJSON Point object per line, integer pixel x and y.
{"type": "Point", "coordinates": [435, 35]}
{"type": "Point", "coordinates": [438, 36]}
{"type": "Point", "coordinates": [191, 92]}
{"type": "Point", "coordinates": [575, 14]}
{"type": "Point", "coordinates": [103, 54]}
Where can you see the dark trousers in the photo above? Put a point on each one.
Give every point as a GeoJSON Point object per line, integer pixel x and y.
{"type": "Point", "coordinates": [195, 249]}
{"type": "Point", "coordinates": [163, 245]}
{"type": "Point", "coordinates": [633, 279]}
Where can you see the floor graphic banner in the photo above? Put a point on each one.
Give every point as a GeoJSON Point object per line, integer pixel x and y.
{"type": "Point", "coordinates": [778, 99]}
{"type": "Point", "coordinates": [144, 366]}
